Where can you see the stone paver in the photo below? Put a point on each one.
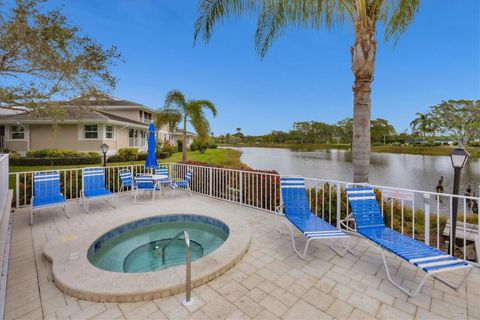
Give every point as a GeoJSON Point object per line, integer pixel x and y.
{"type": "Point", "coordinates": [269, 282]}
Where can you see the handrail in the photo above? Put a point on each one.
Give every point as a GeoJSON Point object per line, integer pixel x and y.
{"type": "Point", "coordinates": [164, 247]}
{"type": "Point", "coordinates": [188, 263]}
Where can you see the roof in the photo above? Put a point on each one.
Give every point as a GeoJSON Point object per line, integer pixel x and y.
{"type": "Point", "coordinates": [72, 115]}
{"type": "Point", "coordinates": [102, 101]}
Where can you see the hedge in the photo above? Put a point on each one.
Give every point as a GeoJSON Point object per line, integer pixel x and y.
{"type": "Point", "coordinates": [54, 161]}
{"type": "Point", "coordinates": [59, 153]}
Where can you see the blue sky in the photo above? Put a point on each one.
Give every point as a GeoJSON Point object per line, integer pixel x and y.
{"type": "Point", "coordinates": [306, 74]}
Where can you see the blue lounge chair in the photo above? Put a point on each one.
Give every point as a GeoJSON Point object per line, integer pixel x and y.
{"type": "Point", "coordinates": [126, 179]}
{"type": "Point", "coordinates": [93, 187]}
{"type": "Point", "coordinates": [296, 210]}
{"type": "Point", "coordinates": [183, 183]}
{"type": "Point", "coordinates": [369, 223]}
{"type": "Point", "coordinates": [164, 171]}
{"type": "Point", "coordinates": [145, 183]}
{"type": "Point", "coordinates": [46, 192]}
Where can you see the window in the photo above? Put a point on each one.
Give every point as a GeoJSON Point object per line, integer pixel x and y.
{"type": "Point", "coordinates": [140, 114]}
{"type": "Point", "coordinates": [109, 132]}
{"type": "Point", "coordinates": [90, 131]}
{"type": "Point", "coordinates": [17, 132]}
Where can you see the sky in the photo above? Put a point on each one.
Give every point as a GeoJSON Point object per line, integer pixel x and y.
{"type": "Point", "coordinates": [306, 74]}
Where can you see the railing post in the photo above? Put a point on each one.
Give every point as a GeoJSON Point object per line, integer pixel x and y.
{"type": "Point", "coordinates": [210, 180]}
{"type": "Point", "coordinates": [188, 266]}
{"type": "Point", "coordinates": [426, 198]}
{"type": "Point", "coordinates": [339, 204]}
{"type": "Point", "coordinates": [240, 186]}
{"type": "Point", "coordinates": [17, 190]}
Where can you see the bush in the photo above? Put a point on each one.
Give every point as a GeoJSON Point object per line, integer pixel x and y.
{"type": "Point", "coordinates": [129, 154]}
{"type": "Point", "coordinates": [59, 153]}
{"type": "Point", "coordinates": [194, 146]}
{"type": "Point", "coordinates": [55, 161]}
{"type": "Point", "coordinates": [212, 146]}
{"type": "Point", "coordinates": [142, 156]}
{"type": "Point", "coordinates": [169, 148]}
{"type": "Point", "coordinates": [162, 155]}
{"type": "Point", "coordinates": [116, 158]}
{"type": "Point", "coordinates": [179, 145]}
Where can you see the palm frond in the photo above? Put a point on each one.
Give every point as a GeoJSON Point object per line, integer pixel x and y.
{"type": "Point", "coordinates": [213, 11]}
{"type": "Point", "coordinates": [404, 12]}
{"type": "Point", "coordinates": [175, 100]}
{"type": "Point", "coordinates": [204, 104]}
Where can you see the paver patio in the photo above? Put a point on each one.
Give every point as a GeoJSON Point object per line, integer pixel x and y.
{"type": "Point", "coordinates": [269, 282]}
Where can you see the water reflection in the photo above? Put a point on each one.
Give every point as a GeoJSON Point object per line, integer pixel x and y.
{"type": "Point", "coordinates": [398, 170]}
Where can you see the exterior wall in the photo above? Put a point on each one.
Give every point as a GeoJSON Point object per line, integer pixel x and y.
{"type": "Point", "coordinates": [131, 114]}
{"type": "Point", "coordinates": [122, 137]}
{"type": "Point", "coordinates": [63, 137]}
{"type": "Point", "coordinates": [18, 146]}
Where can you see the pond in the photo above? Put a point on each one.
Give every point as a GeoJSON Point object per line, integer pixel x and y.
{"type": "Point", "coordinates": [387, 169]}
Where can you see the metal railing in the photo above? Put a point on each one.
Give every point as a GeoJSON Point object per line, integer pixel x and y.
{"type": "Point", "coordinates": [422, 215]}
{"type": "Point", "coordinates": [3, 182]}
{"type": "Point", "coordinates": [188, 264]}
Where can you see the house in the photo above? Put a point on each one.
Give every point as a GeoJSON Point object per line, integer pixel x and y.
{"type": "Point", "coordinates": [165, 135]}
{"type": "Point", "coordinates": [86, 122]}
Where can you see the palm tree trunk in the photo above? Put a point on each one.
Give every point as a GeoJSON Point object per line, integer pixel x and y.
{"type": "Point", "coordinates": [184, 142]}
{"type": "Point", "coordinates": [363, 66]}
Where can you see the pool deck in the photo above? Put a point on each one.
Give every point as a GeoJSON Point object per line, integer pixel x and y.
{"type": "Point", "coordinates": [269, 282]}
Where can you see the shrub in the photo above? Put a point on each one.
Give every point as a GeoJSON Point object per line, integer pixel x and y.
{"type": "Point", "coordinates": [116, 158]}
{"type": "Point", "coordinates": [162, 155]}
{"type": "Point", "coordinates": [142, 156]}
{"type": "Point", "coordinates": [129, 154]}
{"type": "Point", "coordinates": [212, 146]}
{"type": "Point", "coordinates": [56, 153]}
{"type": "Point", "coordinates": [194, 146]}
{"type": "Point", "coordinates": [179, 145]}
{"type": "Point", "coordinates": [55, 161]}
{"type": "Point", "coordinates": [169, 148]}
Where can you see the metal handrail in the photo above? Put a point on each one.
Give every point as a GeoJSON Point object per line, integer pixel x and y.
{"type": "Point", "coordinates": [188, 263]}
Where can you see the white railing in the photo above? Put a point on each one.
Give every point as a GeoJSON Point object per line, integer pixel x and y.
{"type": "Point", "coordinates": [3, 182]}
{"type": "Point", "coordinates": [137, 142]}
{"type": "Point", "coordinates": [422, 215]}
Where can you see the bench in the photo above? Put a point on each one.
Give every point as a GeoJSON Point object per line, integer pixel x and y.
{"type": "Point", "coordinates": [468, 231]}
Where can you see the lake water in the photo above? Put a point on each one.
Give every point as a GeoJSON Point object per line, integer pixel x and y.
{"type": "Point", "coordinates": [387, 169]}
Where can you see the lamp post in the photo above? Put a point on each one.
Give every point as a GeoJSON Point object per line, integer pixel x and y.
{"type": "Point", "coordinates": [459, 157]}
{"type": "Point", "coordinates": [104, 148]}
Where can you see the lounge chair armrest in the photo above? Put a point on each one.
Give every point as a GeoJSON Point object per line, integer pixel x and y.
{"type": "Point", "coordinates": [177, 180]}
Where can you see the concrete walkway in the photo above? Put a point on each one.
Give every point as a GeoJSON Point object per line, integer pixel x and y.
{"type": "Point", "coordinates": [270, 282]}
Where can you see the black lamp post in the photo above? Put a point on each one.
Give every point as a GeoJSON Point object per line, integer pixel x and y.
{"type": "Point", "coordinates": [104, 148]}
{"type": "Point", "coordinates": [459, 157]}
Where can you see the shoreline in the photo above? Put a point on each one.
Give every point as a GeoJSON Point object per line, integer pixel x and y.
{"type": "Point", "coordinates": [413, 150]}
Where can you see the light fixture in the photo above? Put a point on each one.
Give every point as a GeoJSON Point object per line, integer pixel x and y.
{"type": "Point", "coordinates": [104, 148]}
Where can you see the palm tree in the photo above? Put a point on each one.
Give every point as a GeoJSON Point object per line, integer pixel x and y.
{"type": "Point", "coordinates": [190, 111]}
{"type": "Point", "coordinates": [423, 124]}
{"type": "Point", "coordinates": [169, 117]}
{"type": "Point", "coordinates": [276, 15]}
{"type": "Point", "coordinates": [238, 130]}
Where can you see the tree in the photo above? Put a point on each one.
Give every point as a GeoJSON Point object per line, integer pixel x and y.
{"type": "Point", "coordinates": [169, 117]}
{"type": "Point", "coordinates": [423, 124]}
{"type": "Point", "coordinates": [346, 130]}
{"type": "Point", "coordinates": [190, 111]}
{"type": "Point", "coordinates": [458, 117]}
{"type": "Point", "coordinates": [239, 130]}
{"type": "Point", "coordinates": [42, 56]}
{"type": "Point", "coordinates": [381, 129]}
{"type": "Point", "coordinates": [275, 16]}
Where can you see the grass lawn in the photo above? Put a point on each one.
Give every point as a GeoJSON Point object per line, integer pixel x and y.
{"type": "Point", "coordinates": [225, 157]}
